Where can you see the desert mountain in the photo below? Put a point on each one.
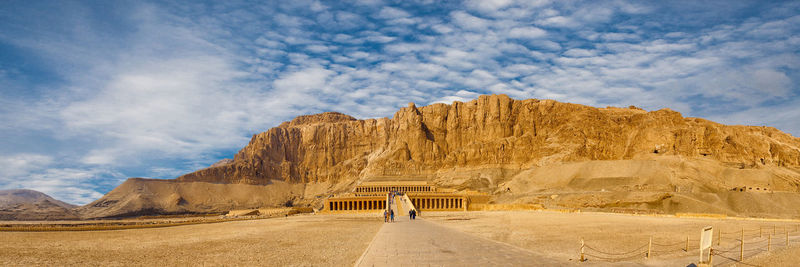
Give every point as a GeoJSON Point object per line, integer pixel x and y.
{"type": "Point", "coordinates": [24, 204]}
{"type": "Point", "coordinates": [544, 152]}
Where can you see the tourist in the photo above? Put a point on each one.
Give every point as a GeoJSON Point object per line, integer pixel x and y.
{"type": "Point", "coordinates": [413, 214]}
{"type": "Point", "coordinates": [410, 214]}
{"type": "Point", "coordinates": [385, 216]}
{"type": "Point", "coordinates": [391, 215]}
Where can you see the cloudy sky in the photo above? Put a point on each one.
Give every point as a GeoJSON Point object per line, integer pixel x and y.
{"type": "Point", "coordinates": [94, 92]}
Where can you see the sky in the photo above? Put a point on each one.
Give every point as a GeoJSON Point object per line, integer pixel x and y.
{"type": "Point", "coordinates": [94, 92]}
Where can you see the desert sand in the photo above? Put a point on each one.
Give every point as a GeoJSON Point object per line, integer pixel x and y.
{"type": "Point", "coordinates": [300, 240]}
{"type": "Point", "coordinates": [339, 240]}
{"type": "Point", "coordinates": [558, 234]}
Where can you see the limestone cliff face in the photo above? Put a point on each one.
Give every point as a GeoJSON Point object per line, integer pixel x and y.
{"type": "Point", "coordinates": [493, 130]}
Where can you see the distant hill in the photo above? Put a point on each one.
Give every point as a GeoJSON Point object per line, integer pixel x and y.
{"type": "Point", "coordinates": [25, 204]}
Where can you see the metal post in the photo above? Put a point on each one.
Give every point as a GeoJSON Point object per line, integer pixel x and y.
{"type": "Point", "coordinates": [741, 247]}
{"type": "Point", "coordinates": [582, 245]}
{"type": "Point", "coordinates": [649, 246]}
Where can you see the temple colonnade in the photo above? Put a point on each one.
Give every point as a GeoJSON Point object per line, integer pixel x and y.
{"type": "Point", "coordinates": [356, 204]}
{"type": "Point", "coordinates": [404, 189]}
{"type": "Point", "coordinates": [438, 203]}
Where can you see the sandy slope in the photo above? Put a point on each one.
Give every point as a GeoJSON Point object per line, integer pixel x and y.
{"type": "Point", "coordinates": [152, 196]}
{"type": "Point", "coordinates": [658, 184]}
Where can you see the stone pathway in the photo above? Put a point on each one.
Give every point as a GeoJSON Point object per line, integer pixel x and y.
{"type": "Point", "coordinates": [423, 243]}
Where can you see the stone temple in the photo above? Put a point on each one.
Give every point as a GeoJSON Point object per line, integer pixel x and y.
{"type": "Point", "coordinates": [373, 196]}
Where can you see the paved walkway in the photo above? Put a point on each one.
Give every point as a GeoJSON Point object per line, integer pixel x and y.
{"type": "Point", "coordinates": [423, 243]}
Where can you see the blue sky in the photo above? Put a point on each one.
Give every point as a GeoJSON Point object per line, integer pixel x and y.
{"type": "Point", "coordinates": [93, 92]}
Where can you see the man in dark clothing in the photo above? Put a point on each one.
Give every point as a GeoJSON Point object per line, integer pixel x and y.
{"type": "Point", "coordinates": [391, 215]}
{"type": "Point", "coordinates": [410, 214]}
{"type": "Point", "coordinates": [413, 214]}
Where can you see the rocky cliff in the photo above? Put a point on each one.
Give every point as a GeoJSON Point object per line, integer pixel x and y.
{"type": "Point", "coordinates": [492, 130]}
{"type": "Point", "coordinates": [520, 151]}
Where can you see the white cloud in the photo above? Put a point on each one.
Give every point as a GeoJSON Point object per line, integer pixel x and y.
{"type": "Point", "coordinates": [392, 13]}
{"type": "Point", "coordinates": [461, 96]}
{"type": "Point", "coordinates": [559, 22]}
{"type": "Point", "coordinates": [527, 33]}
{"type": "Point", "coordinates": [21, 164]}
{"type": "Point", "coordinates": [469, 22]}
{"type": "Point", "coordinates": [577, 52]}
{"type": "Point", "coordinates": [488, 5]}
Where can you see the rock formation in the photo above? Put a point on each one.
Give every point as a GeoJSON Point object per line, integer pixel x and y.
{"type": "Point", "coordinates": [492, 130]}
{"type": "Point", "coordinates": [496, 142]}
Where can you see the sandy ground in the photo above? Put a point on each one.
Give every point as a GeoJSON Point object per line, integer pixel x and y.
{"type": "Point", "coordinates": [321, 240]}
{"type": "Point", "coordinates": [338, 240]}
{"type": "Point", "coordinates": [786, 257]}
{"type": "Point", "coordinates": [559, 234]}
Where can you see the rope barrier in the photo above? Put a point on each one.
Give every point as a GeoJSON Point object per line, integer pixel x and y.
{"type": "Point", "coordinates": [610, 253]}
{"type": "Point", "coordinates": [669, 245]}
{"type": "Point", "coordinates": [614, 259]}
{"type": "Point", "coordinates": [755, 240]}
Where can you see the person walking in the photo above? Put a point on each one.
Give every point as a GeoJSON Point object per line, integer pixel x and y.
{"type": "Point", "coordinates": [410, 214]}
{"type": "Point", "coordinates": [391, 215]}
{"type": "Point", "coordinates": [385, 216]}
{"type": "Point", "coordinates": [413, 214]}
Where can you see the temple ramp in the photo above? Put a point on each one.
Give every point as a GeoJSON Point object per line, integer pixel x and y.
{"type": "Point", "coordinates": [423, 243]}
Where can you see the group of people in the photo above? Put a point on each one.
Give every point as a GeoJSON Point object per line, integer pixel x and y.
{"type": "Point", "coordinates": [388, 215]}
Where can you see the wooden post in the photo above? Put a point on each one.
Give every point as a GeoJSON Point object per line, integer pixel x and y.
{"type": "Point", "coordinates": [582, 245]}
{"type": "Point", "coordinates": [741, 247]}
{"type": "Point", "coordinates": [649, 247]}
{"type": "Point", "coordinates": [711, 257]}
{"type": "Point", "coordinates": [687, 244]}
